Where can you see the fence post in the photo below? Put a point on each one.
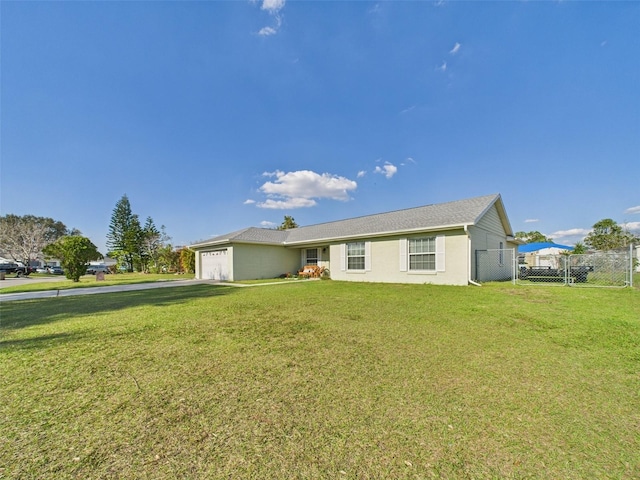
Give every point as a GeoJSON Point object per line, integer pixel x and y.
{"type": "Point", "coordinates": [631, 248]}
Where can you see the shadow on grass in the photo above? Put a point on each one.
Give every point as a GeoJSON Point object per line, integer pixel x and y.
{"type": "Point", "coordinates": [26, 313]}
{"type": "Point", "coordinates": [25, 343]}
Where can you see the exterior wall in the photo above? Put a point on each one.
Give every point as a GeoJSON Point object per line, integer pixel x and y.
{"type": "Point", "coordinates": [385, 262]}
{"type": "Point", "coordinates": [487, 235]}
{"type": "Point", "coordinates": [491, 222]}
{"type": "Point", "coordinates": [250, 262]}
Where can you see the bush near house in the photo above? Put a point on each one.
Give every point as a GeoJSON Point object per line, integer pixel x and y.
{"type": "Point", "coordinates": [323, 380]}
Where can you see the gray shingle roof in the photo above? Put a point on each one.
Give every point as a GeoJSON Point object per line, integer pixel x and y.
{"type": "Point", "coordinates": [429, 217]}
{"type": "Point", "coordinates": [250, 235]}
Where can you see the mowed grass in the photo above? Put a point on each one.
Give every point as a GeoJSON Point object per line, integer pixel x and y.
{"type": "Point", "coordinates": [323, 380]}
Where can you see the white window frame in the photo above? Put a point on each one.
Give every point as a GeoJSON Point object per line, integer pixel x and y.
{"type": "Point", "coordinates": [311, 260]}
{"type": "Point", "coordinates": [439, 252]}
{"type": "Point", "coordinates": [423, 247]}
{"type": "Point", "coordinates": [344, 261]}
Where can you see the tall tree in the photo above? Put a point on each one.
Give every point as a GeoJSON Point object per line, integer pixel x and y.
{"type": "Point", "coordinates": [74, 252]}
{"type": "Point", "coordinates": [153, 241]}
{"type": "Point", "coordinates": [608, 235]}
{"type": "Point", "coordinates": [288, 223]}
{"type": "Point", "coordinates": [23, 238]}
{"type": "Point", "coordinates": [533, 237]}
{"type": "Point", "coordinates": [125, 235]}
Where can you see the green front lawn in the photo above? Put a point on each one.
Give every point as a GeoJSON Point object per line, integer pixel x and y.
{"type": "Point", "coordinates": [323, 380]}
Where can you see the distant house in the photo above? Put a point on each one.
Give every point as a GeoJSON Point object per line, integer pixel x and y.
{"type": "Point", "coordinates": [542, 254]}
{"type": "Point", "coordinates": [428, 244]}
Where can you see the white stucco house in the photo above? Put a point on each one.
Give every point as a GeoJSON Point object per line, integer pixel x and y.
{"type": "Point", "coordinates": [428, 244]}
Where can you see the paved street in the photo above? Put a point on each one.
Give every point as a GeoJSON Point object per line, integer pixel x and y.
{"type": "Point", "coordinates": [94, 290]}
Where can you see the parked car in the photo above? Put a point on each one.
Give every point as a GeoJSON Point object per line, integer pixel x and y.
{"type": "Point", "coordinates": [11, 267]}
{"type": "Point", "coordinates": [55, 270]}
{"type": "Point", "coordinates": [44, 269]}
{"type": "Point", "coordinates": [93, 269]}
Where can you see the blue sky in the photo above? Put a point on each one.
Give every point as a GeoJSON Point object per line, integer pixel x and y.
{"type": "Point", "coordinates": [215, 116]}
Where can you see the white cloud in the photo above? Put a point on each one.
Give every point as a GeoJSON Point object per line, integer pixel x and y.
{"type": "Point", "coordinates": [300, 189]}
{"type": "Point", "coordinates": [388, 170]}
{"type": "Point", "coordinates": [267, 31]}
{"type": "Point", "coordinates": [455, 49]}
{"type": "Point", "coordinates": [408, 109]}
{"type": "Point", "coordinates": [531, 220]}
{"type": "Point", "coordinates": [633, 227]}
{"type": "Point", "coordinates": [287, 204]}
{"type": "Point", "coordinates": [272, 7]}
{"type": "Point", "coordinates": [633, 210]}
{"type": "Point", "coordinates": [408, 160]}
{"type": "Point", "coordinates": [572, 232]}
{"type": "Point", "coordinates": [361, 174]}
{"type": "Point", "coordinates": [443, 67]}
{"type": "Point", "coordinates": [249, 202]}
{"type": "Point", "coordinates": [267, 224]}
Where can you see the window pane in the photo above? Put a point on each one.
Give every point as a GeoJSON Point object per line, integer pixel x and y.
{"type": "Point", "coordinates": [422, 262]}
{"type": "Point", "coordinates": [312, 256]}
{"type": "Point", "coordinates": [355, 263]}
{"type": "Point", "coordinates": [355, 248]}
{"type": "Point", "coordinates": [422, 245]}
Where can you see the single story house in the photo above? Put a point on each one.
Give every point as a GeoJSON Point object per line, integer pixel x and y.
{"type": "Point", "coordinates": [430, 244]}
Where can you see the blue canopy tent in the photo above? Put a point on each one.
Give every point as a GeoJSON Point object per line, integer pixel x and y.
{"type": "Point", "coordinates": [534, 247]}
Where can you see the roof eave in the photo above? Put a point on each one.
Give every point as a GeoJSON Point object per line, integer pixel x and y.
{"type": "Point", "coordinates": [229, 241]}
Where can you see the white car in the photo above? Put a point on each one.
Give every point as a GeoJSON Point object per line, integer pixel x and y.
{"type": "Point", "coordinates": [93, 269]}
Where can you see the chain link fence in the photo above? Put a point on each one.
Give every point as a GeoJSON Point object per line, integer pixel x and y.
{"type": "Point", "coordinates": [606, 269]}
{"type": "Point", "coordinates": [495, 265]}
{"type": "Point", "coordinates": [610, 269]}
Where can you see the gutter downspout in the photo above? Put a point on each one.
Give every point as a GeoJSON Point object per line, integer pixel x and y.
{"type": "Point", "coordinates": [466, 230]}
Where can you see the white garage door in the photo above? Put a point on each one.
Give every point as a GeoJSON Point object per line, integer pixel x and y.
{"type": "Point", "coordinates": [214, 265]}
